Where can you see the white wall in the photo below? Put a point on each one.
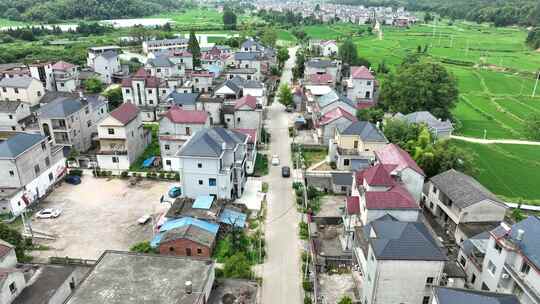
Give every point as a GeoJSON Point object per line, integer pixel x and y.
{"type": "Point", "coordinates": [414, 182]}
{"type": "Point", "coordinates": [105, 162]}
{"type": "Point", "coordinates": [191, 174]}
{"type": "Point", "coordinates": [6, 297]}
{"type": "Point", "coordinates": [9, 260]}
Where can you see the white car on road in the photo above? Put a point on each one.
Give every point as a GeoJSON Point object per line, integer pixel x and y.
{"type": "Point", "coordinates": [49, 213]}
{"type": "Point", "coordinates": [275, 160]}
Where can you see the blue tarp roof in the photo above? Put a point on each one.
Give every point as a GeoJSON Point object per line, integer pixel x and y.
{"type": "Point", "coordinates": [148, 162]}
{"type": "Point", "coordinates": [171, 224]}
{"type": "Point", "coordinates": [231, 217]}
{"type": "Point", "coordinates": [203, 202]}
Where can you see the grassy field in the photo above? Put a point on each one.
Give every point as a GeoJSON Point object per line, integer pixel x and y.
{"type": "Point", "coordinates": [7, 22]}
{"type": "Point", "coordinates": [201, 18]}
{"type": "Point", "coordinates": [511, 171]}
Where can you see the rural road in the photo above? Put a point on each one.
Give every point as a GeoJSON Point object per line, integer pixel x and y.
{"type": "Point", "coordinates": [281, 272]}
{"type": "Point", "coordinates": [496, 141]}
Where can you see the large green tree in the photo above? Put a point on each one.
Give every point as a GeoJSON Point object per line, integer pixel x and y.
{"type": "Point", "coordinates": [93, 85]}
{"type": "Point", "coordinates": [114, 96]}
{"type": "Point", "coordinates": [229, 19]}
{"type": "Point", "coordinates": [285, 95]}
{"type": "Point", "coordinates": [348, 53]}
{"type": "Point", "coordinates": [269, 37]}
{"type": "Point", "coordinates": [13, 237]}
{"type": "Point", "coordinates": [282, 56]}
{"type": "Point", "coordinates": [420, 87]}
{"type": "Point", "coordinates": [194, 49]}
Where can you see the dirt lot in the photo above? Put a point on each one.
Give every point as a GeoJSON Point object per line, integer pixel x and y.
{"type": "Point", "coordinates": [98, 214]}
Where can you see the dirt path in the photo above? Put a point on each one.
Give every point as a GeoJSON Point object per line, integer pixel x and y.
{"type": "Point", "coordinates": [496, 141]}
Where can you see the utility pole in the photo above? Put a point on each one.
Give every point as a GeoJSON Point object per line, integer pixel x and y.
{"type": "Point", "coordinates": [536, 84]}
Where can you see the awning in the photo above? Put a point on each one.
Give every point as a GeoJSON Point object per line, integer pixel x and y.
{"type": "Point", "coordinates": [203, 202]}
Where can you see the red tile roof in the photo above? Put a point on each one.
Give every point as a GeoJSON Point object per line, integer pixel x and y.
{"type": "Point", "coordinates": [396, 198]}
{"type": "Point", "coordinates": [364, 105]}
{"type": "Point", "coordinates": [125, 113]}
{"type": "Point", "coordinates": [320, 78]}
{"type": "Point", "coordinates": [202, 74]}
{"type": "Point", "coordinates": [391, 154]}
{"type": "Point", "coordinates": [248, 100]}
{"type": "Point", "coordinates": [251, 133]}
{"type": "Point", "coordinates": [181, 54]}
{"type": "Point", "coordinates": [335, 114]}
{"type": "Point", "coordinates": [149, 81]}
{"type": "Point", "coordinates": [5, 248]}
{"type": "Point", "coordinates": [353, 205]}
{"type": "Point", "coordinates": [361, 72]}
{"type": "Point", "coordinates": [379, 175]}
{"type": "Point", "coordinates": [62, 66]}
{"type": "Point", "coordinates": [179, 115]}
{"type": "Point", "coordinates": [141, 73]}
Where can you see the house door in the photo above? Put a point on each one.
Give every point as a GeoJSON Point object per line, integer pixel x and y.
{"type": "Point", "coordinates": [188, 251]}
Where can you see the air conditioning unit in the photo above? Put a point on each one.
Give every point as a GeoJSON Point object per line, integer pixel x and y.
{"type": "Point", "coordinates": [505, 276]}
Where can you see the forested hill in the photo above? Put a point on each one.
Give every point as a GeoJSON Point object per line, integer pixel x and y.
{"type": "Point", "coordinates": [58, 10]}
{"type": "Point", "coordinates": [500, 12]}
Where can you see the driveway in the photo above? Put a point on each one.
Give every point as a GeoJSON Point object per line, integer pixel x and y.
{"type": "Point", "coordinates": [98, 214]}
{"type": "Point", "coordinates": [281, 272]}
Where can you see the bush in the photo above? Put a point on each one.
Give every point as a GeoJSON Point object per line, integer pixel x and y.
{"type": "Point", "coordinates": [76, 172]}
{"type": "Point", "coordinates": [312, 193]}
{"type": "Point", "coordinates": [307, 286]}
{"type": "Point", "coordinates": [304, 231]}
{"type": "Point", "coordinates": [300, 201]}
{"type": "Point", "coordinates": [333, 165]}
{"type": "Point", "coordinates": [237, 267]}
{"type": "Point", "coordinates": [162, 176]}
{"type": "Point", "coordinates": [124, 174]}
{"type": "Point", "coordinates": [307, 300]}
{"type": "Point", "coordinates": [177, 176]}
{"type": "Point", "coordinates": [297, 185]}
{"type": "Point", "coordinates": [142, 247]}
{"type": "Point", "coordinates": [264, 187]}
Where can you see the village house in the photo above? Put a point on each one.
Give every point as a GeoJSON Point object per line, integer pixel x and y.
{"type": "Point", "coordinates": [12, 282]}
{"type": "Point", "coordinates": [68, 121]}
{"type": "Point", "coordinates": [202, 81]}
{"type": "Point", "coordinates": [325, 48]}
{"type": "Point", "coordinates": [21, 89]}
{"type": "Point", "coordinates": [335, 120]}
{"type": "Point", "coordinates": [252, 141]}
{"type": "Point", "coordinates": [472, 252]}
{"type": "Point", "coordinates": [183, 280]}
{"type": "Point", "coordinates": [244, 113]}
{"type": "Point", "coordinates": [212, 106]}
{"type": "Point", "coordinates": [162, 67]}
{"type": "Point", "coordinates": [183, 59]}
{"type": "Point", "coordinates": [398, 262]}
{"type": "Point", "coordinates": [461, 205]}
{"type": "Point", "coordinates": [61, 76]}
{"type": "Point", "coordinates": [94, 52]}
{"type": "Point", "coordinates": [14, 115]}
{"type": "Point", "coordinates": [361, 84]}
{"type": "Point", "coordinates": [29, 166]}
{"type": "Point", "coordinates": [13, 70]}
{"type": "Point", "coordinates": [175, 44]}
{"type": "Point", "coordinates": [244, 73]}
{"type": "Point", "coordinates": [230, 89]}
{"type": "Point", "coordinates": [321, 67]}
{"type": "Point", "coordinates": [250, 60]}
{"type": "Point", "coordinates": [175, 128]}
{"type": "Point", "coordinates": [512, 260]}
{"type": "Point", "coordinates": [440, 129]}
{"type": "Point", "coordinates": [353, 148]}
{"type": "Point", "coordinates": [144, 91]}
{"type": "Point", "coordinates": [447, 295]}
{"type": "Point", "coordinates": [213, 162]}
{"type": "Point", "coordinates": [105, 63]}
{"type": "Point", "coordinates": [122, 138]}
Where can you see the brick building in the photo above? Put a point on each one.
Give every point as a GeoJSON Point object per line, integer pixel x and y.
{"type": "Point", "coordinates": [188, 240]}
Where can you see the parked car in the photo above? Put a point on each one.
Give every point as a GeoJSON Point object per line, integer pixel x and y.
{"type": "Point", "coordinates": [175, 192]}
{"type": "Point", "coordinates": [143, 219]}
{"type": "Point", "coordinates": [275, 160]}
{"type": "Point", "coordinates": [49, 213]}
{"type": "Point", "coordinates": [73, 179]}
{"type": "Point", "coordinates": [285, 171]}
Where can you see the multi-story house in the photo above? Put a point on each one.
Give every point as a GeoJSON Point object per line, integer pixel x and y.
{"type": "Point", "coordinates": [472, 252]}
{"type": "Point", "coordinates": [144, 91]}
{"type": "Point", "coordinates": [354, 147]}
{"type": "Point", "coordinates": [244, 113]}
{"type": "Point", "coordinates": [399, 262]}
{"type": "Point", "coordinates": [512, 260]}
{"type": "Point", "coordinates": [106, 64]}
{"type": "Point", "coordinates": [67, 122]}
{"type": "Point", "coordinates": [244, 73]}
{"type": "Point", "coordinates": [162, 66]}
{"type": "Point", "coordinates": [448, 295]}
{"type": "Point", "coordinates": [29, 166]}
{"type": "Point", "coordinates": [122, 138]}
{"type": "Point", "coordinates": [65, 77]}
{"type": "Point", "coordinates": [13, 115]}
{"type": "Point", "coordinates": [22, 89]}
{"type": "Point", "coordinates": [186, 101]}
{"type": "Point", "coordinates": [361, 84]}
{"type": "Point", "coordinates": [249, 60]}
{"type": "Point", "coordinates": [175, 128]}
{"type": "Point", "coordinates": [461, 205]}
{"type": "Point", "coordinates": [256, 89]}
{"type": "Point", "coordinates": [231, 89]}
{"type": "Point", "coordinates": [325, 48]}
{"type": "Point", "coordinates": [335, 120]}
{"type": "Point", "coordinates": [183, 59]}
{"type": "Point", "coordinates": [202, 81]}
{"type": "Point", "coordinates": [404, 168]}
{"type": "Point", "coordinates": [213, 162]}
{"type": "Point", "coordinates": [176, 44]}
{"type": "Point", "coordinates": [13, 70]}
{"type": "Point", "coordinates": [94, 52]}
{"type": "Point", "coordinates": [322, 66]}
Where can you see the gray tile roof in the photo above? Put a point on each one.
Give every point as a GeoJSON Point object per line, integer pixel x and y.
{"type": "Point", "coordinates": [161, 61]}
{"type": "Point", "coordinates": [425, 117]}
{"type": "Point", "coordinates": [478, 242]}
{"type": "Point", "coordinates": [109, 54]}
{"type": "Point", "coordinates": [16, 82]}
{"type": "Point", "coordinates": [366, 131]}
{"type": "Point", "coordinates": [190, 232]}
{"type": "Point", "coordinates": [253, 84]}
{"type": "Point", "coordinates": [529, 245]}
{"type": "Point", "coordinates": [321, 64]}
{"type": "Point", "coordinates": [9, 106]}
{"type": "Point", "coordinates": [247, 56]}
{"type": "Point", "coordinates": [445, 295]}
{"type": "Point", "coordinates": [53, 95]}
{"type": "Point", "coordinates": [209, 142]}
{"type": "Point", "coordinates": [61, 108]}
{"type": "Point", "coordinates": [342, 179]}
{"type": "Point", "coordinates": [397, 240]}
{"type": "Point", "coordinates": [183, 99]}
{"type": "Point", "coordinates": [235, 84]}
{"type": "Point", "coordinates": [17, 144]}
{"type": "Point", "coordinates": [249, 43]}
{"type": "Point", "coordinates": [462, 189]}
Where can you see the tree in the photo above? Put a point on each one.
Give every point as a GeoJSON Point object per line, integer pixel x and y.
{"type": "Point", "coordinates": [420, 87]}
{"type": "Point", "coordinates": [237, 267]}
{"type": "Point", "coordinates": [298, 70]}
{"type": "Point", "coordinates": [194, 49]}
{"type": "Point", "coordinates": [229, 19]}
{"type": "Point", "coordinates": [345, 300]}
{"type": "Point", "coordinates": [285, 95]}
{"type": "Point", "coordinates": [428, 17]}
{"type": "Point", "coordinates": [372, 115]}
{"type": "Point", "coordinates": [93, 85]}
{"type": "Point", "coordinates": [282, 56]}
{"type": "Point", "coordinates": [348, 53]}
{"type": "Point", "coordinates": [142, 247]}
{"type": "Point", "coordinates": [114, 96]}
{"type": "Point", "coordinates": [269, 37]}
{"type": "Point", "coordinates": [533, 38]}
{"type": "Point", "coordinates": [532, 126]}
{"type": "Point", "coordinates": [400, 132]}
{"type": "Point", "coordinates": [13, 237]}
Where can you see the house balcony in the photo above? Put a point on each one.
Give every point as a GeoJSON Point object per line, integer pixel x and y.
{"type": "Point", "coordinates": [59, 124]}
{"type": "Point", "coordinates": [521, 280]}
{"type": "Point", "coordinates": [61, 139]}
{"type": "Point", "coordinates": [113, 152]}
{"type": "Point", "coordinates": [355, 153]}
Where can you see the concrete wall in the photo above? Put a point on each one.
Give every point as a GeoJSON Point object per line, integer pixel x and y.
{"type": "Point", "coordinates": [471, 270]}
{"type": "Point", "coordinates": [105, 162]}
{"type": "Point", "coordinates": [9, 260]}
{"type": "Point", "coordinates": [359, 89]}
{"type": "Point", "coordinates": [179, 247]}
{"type": "Point", "coordinates": [106, 67]}
{"type": "Point", "coordinates": [9, 121]}
{"type": "Point", "coordinates": [30, 95]}
{"type": "Point", "coordinates": [414, 182]}
{"type": "Point", "coordinates": [190, 174]}
{"type": "Point", "coordinates": [402, 215]}
{"type": "Point", "coordinates": [16, 278]}
{"type": "Point", "coordinates": [213, 109]}
{"type": "Point", "coordinates": [65, 290]}
{"type": "Point", "coordinates": [485, 211]}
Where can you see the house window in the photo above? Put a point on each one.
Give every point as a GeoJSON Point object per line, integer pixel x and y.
{"type": "Point", "coordinates": [111, 131]}
{"type": "Point", "coordinates": [158, 70]}
{"type": "Point", "coordinates": [434, 190]}
{"type": "Point", "coordinates": [425, 300]}
{"type": "Point", "coordinates": [164, 91]}
{"type": "Point", "coordinates": [171, 249]}
{"type": "Point", "coordinates": [16, 91]}
{"type": "Point", "coordinates": [429, 280]}
{"type": "Point", "coordinates": [346, 162]}
{"type": "Point", "coordinates": [462, 261]}
{"type": "Point", "coordinates": [36, 169]}
{"type": "Point", "coordinates": [497, 247]}
{"type": "Point", "coordinates": [200, 182]}
{"type": "Point", "coordinates": [167, 147]}
{"type": "Point", "coordinates": [356, 144]}
{"type": "Point", "coordinates": [473, 278]}
{"type": "Point", "coordinates": [62, 84]}
{"type": "Point", "coordinates": [43, 146]}
{"type": "Point", "coordinates": [86, 110]}
{"type": "Point", "coordinates": [485, 287]}
{"type": "Point", "coordinates": [238, 119]}
{"type": "Point", "coordinates": [168, 162]}
{"type": "Point", "coordinates": [4, 90]}
{"type": "Point", "coordinates": [10, 116]}
{"type": "Point", "coordinates": [47, 161]}
{"type": "Point", "coordinates": [150, 101]}
{"type": "Point", "coordinates": [368, 83]}
{"type": "Point", "coordinates": [128, 91]}
{"type": "Point", "coordinates": [12, 288]}
{"type": "Point", "coordinates": [343, 189]}
{"type": "Point", "coordinates": [188, 131]}
{"type": "Point", "coordinates": [149, 91]}
{"type": "Point", "coordinates": [525, 268]}
{"type": "Point", "coordinates": [115, 159]}
{"type": "Point", "coordinates": [199, 251]}
{"type": "Point", "coordinates": [89, 123]}
{"type": "Point", "coordinates": [491, 267]}
{"type": "Point", "coordinates": [211, 181]}
{"type": "Point", "coordinates": [50, 177]}
{"type": "Point", "coordinates": [11, 173]}
{"type": "Point", "coordinates": [188, 251]}
{"type": "Point", "coordinates": [199, 165]}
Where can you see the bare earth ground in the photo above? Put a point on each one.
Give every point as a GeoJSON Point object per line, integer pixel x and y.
{"type": "Point", "coordinates": [98, 214]}
{"type": "Point", "coordinates": [335, 286]}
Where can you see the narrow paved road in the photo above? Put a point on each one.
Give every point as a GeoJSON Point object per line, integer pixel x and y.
{"type": "Point", "coordinates": [496, 141]}
{"type": "Point", "coordinates": [281, 272]}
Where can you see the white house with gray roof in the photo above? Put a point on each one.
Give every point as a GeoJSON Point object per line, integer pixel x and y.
{"type": "Point", "coordinates": [29, 166]}
{"type": "Point", "coordinates": [106, 64]}
{"type": "Point", "coordinates": [68, 122]}
{"type": "Point", "coordinates": [439, 128]}
{"type": "Point", "coordinates": [398, 262]}
{"type": "Point", "coordinates": [447, 295]}
{"type": "Point", "coordinates": [461, 205]}
{"type": "Point", "coordinates": [175, 44]}
{"type": "Point", "coordinates": [163, 67]}
{"type": "Point", "coordinates": [14, 115]}
{"type": "Point", "coordinates": [213, 162]}
{"type": "Point", "coordinates": [319, 66]}
{"type": "Point", "coordinates": [23, 89]}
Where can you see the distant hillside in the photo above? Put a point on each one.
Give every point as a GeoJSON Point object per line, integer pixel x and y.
{"type": "Point", "coordinates": [500, 12]}
{"type": "Point", "coordinates": [57, 10]}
